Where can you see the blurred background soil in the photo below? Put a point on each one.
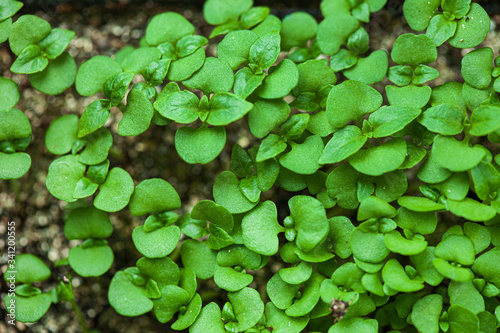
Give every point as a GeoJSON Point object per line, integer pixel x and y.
{"type": "Point", "coordinates": [102, 28]}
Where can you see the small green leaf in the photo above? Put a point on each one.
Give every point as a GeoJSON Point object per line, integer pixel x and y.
{"type": "Point", "coordinates": [9, 8]}
{"type": "Point", "coordinates": [462, 320]}
{"type": "Point", "coordinates": [97, 145]}
{"type": "Point", "coordinates": [471, 29]}
{"type": "Point", "coordinates": [209, 211]}
{"type": "Point", "coordinates": [303, 158]}
{"type": "Point", "coordinates": [310, 221]}
{"type": "Point", "coordinates": [270, 147]}
{"type": "Point", "coordinates": [94, 117]}
{"type": "Point", "coordinates": [477, 67]}
{"type": "Point", "coordinates": [266, 115]}
{"type": "Point", "coordinates": [234, 49]}
{"type": "Point", "coordinates": [114, 193]}
{"type": "Point", "coordinates": [29, 61]}
{"type": "Point", "coordinates": [334, 31]}
{"type": "Point", "coordinates": [370, 69]}
{"type": "Point", "coordinates": [411, 96]}
{"type": "Point", "coordinates": [27, 30]}
{"type": "Point", "coordinates": [167, 27]}
{"type": "Point", "coordinates": [230, 279]}
{"type": "Point", "coordinates": [182, 68]}
{"type": "Point", "coordinates": [63, 175]}
{"type": "Point", "coordinates": [248, 307]}
{"type": "Point", "coordinates": [227, 194]}
{"type": "Point", "coordinates": [367, 246]}
{"type": "Point", "coordinates": [350, 100]}
{"type": "Point", "coordinates": [471, 210]}
{"type": "Point", "coordinates": [171, 300]}
{"type": "Point", "coordinates": [87, 222]}
{"type": "Point", "coordinates": [413, 50]}
{"type": "Point", "coordinates": [398, 244]}
{"type": "Point", "coordinates": [485, 119]}
{"type": "Point", "coordinates": [426, 313]}
{"type": "Point", "coordinates": [9, 95]}
{"type": "Point", "coordinates": [137, 115]}
{"type": "Point", "coordinates": [280, 322]}
{"type": "Point", "coordinates": [418, 13]}
{"type": "Point", "coordinates": [93, 73]}
{"type": "Point", "coordinates": [246, 82]}
{"type": "Point", "coordinates": [153, 196]}
{"type": "Point", "coordinates": [29, 309]}
{"type": "Point", "coordinates": [57, 76]}
{"type": "Point", "coordinates": [215, 76]}
{"type": "Point", "coordinates": [265, 51]}
{"type": "Point", "coordinates": [340, 231]}
{"type": "Point", "coordinates": [199, 145]}
{"type": "Point", "coordinates": [343, 144]}
{"type": "Point", "coordinates": [376, 161]}
{"type": "Point", "coordinates": [27, 269]}
{"type": "Point", "coordinates": [342, 184]}
{"type": "Point", "coordinates": [189, 317]}
{"type": "Point", "coordinates": [395, 277]}
{"type": "Point", "coordinates": [440, 29]}
{"type": "Point", "coordinates": [260, 229]}
{"type": "Point", "coordinates": [374, 207]}
{"type": "Point", "coordinates": [164, 238]}
{"type": "Point", "coordinates": [56, 42]}
{"type": "Point", "coordinates": [90, 261]}
{"type": "Point", "coordinates": [84, 188]}
{"type": "Point", "coordinates": [127, 298]}
{"type": "Point", "coordinates": [280, 81]}
{"type": "Point", "coordinates": [226, 108]}
{"type": "Point", "coordinates": [444, 119]}
{"type": "Point", "coordinates": [389, 119]}
{"type": "Point", "coordinates": [456, 155]}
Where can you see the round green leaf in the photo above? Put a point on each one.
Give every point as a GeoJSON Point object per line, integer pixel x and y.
{"type": "Point", "coordinates": [485, 120]}
{"type": "Point", "coordinates": [340, 231]}
{"type": "Point", "coordinates": [210, 211]}
{"type": "Point", "coordinates": [395, 277]}
{"type": "Point", "coordinates": [162, 270]}
{"type": "Point", "coordinates": [471, 210]}
{"type": "Point", "coordinates": [199, 257]}
{"type": "Point", "coordinates": [266, 115]}
{"type": "Point", "coordinates": [486, 266]}
{"type": "Point", "coordinates": [226, 108]}
{"type": "Point", "coordinates": [9, 95]}
{"type": "Point", "coordinates": [186, 319]}
{"type": "Point", "coordinates": [418, 13]}
{"type": "Point", "coordinates": [182, 68]}
{"type": "Point", "coordinates": [472, 28]}
{"type": "Point", "coordinates": [27, 30]}
{"type": "Point", "coordinates": [374, 207]}
{"type": "Point", "coordinates": [343, 144]}
{"type": "Point", "coordinates": [91, 261]}
{"type": "Point", "coordinates": [158, 243]}
{"type": "Point", "coordinates": [477, 67]}
{"type": "Point", "coordinates": [310, 220]}
{"type": "Point", "coordinates": [368, 247]}
{"type": "Point", "coordinates": [333, 32]}
{"type": "Point", "coordinates": [215, 76]}
{"type": "Point", "coordinates": [296, 274]}
{"type": "Point", "coordinates": [351, 100]}
{"type": "Point", "coordinates": [127, 298]}
{"type": "Point", "coordinates": [171, 300]}
{"type": "Point", "coordinates": [462, 320]}
{"type": "Point", "coordinates": [398, 244]}
{"type": "Point", "coordinates": [63, 175]}
{"type": "Point", "coordinates": [342, 184]}
{"type": "Point", "coordinates": [61, 134]}
{"type": "Point", "coordinates": [456, 155]}
{"type": "Point", "coordinates": [370, 69]}
{"type": "Point", "coordinates": [444, 119]}
{"type": "Point", "coordinates": [314, 75]}
{"type": "Point", "coordinates": [209, 320]}
{"type": "Point", "coordinates": [413, 50]}
{"type": "Point", "coordinates": [459, 274]}
{"type": "Point", "coordinates": [297, 29]}
{"type": "Point", "coordinates": [426, 312]}
{"type": "Point", "coordinates": [227, 194]}
{"type": "Point", "coordinates": [230, 279]}
{"type": "Point", "coordinates": [260, 229]}
{"type": "Point", "coordinates": [28, 269]}
{"type": "Point", "coordinates": [29, 309]}
{"type": "Point", "coordinates": [282, 323]}
{"type": "Point", "coordinates": [310, 297]}
{"type": "Point", "coordinates": [411, 96]}
{"type": "Point", "coordinates": [96, 147]}
{"type": "Point", "coordinates": [56, 77]}
{"type": "Point", "coordinates": [419, 222]}
{"type": "Point", "coordinates": [220, 11]}
{"type": "Point", "coordinates": [167, 27]}
{"type": "Point", "coordinates": [466, 295]}
{"type": "Point", "coordinates": [93, 73]}
{"type": "Point", "coordinates": [199, 145]}
{"type": "Point", "coordinates": [248, 307]}
{"type": "Point", "coordinates": [390, 119]}
{"type": "Point", "coordinates": [137, 115]}
{"type": "Point", "coordinates": [114, 193]}
{"type": "Point", "coordinates": [378, 160]}
{"type": "Point", "coordinates": [280, 81]}
{"type": "Point", "coordinates": [153, 196]}
{"type": "Point", "coordinates": [234, 49]}
{"type": "Point", "coordinates": [87, 222]}
{"type": "Point", "coordinates": [14, 166]}
{"type": "Point", "coordinates": [478, 235]}
{"type": "Point", "coordinates": [303, 158]}
{"type": "Point", "coordinates": [424, 264]}
{"type": "Point", "coordinates": [14, 125]}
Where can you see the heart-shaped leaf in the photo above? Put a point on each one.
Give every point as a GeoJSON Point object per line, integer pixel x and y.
{"type": "Point", "coordinates": [158, 243]}
{"type": "Point", "coordinates": [199, 145]}
{"type": "Point", "coordinates": [114, 193]}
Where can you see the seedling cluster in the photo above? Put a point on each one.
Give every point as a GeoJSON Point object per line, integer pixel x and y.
{"type": "Point", "coordinates": [359, 249]}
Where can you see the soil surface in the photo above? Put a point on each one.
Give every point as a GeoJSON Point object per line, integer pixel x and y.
{"type": "Point", "coordinates": [102, 29]}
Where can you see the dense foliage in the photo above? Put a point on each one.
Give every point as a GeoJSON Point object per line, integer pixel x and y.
{"type": "Point", "coordinates": [360, 254]}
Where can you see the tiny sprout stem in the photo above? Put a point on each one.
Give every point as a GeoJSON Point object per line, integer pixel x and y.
{"type": "Point", "coordinates": [79, 314]}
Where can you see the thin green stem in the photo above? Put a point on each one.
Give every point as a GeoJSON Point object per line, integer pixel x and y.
{"type": "Point", "coordinates": [79, 314]}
